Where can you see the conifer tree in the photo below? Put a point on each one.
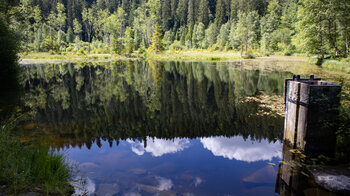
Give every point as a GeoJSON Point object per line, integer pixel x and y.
{"type": "Point", "coordinates": [156, 45]}
{"type": "Point", "coordinates": [203, 16]}
{"type": "Point", "coordinates": [220, 13]}
{"type": "Point", "coordinates": [190, 14]}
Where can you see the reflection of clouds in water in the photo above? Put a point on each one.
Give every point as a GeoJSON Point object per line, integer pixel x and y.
{"type": "Point", "coordinates": [237, 148]}
{"type": "Point", "coordinates": [198, 181]}
{"type": "Point", "coordinates": [164, 184]}
{"type": "Point", "coordinates": [132, 194]}
{"type": "Point", "coordinates": [158, 147]}
{"type": "Point", "coordinates": [83, 186]}
{"type": "Point", "coordinates": [137, 148]}
{"type": "Point", "coordinates": [188, 194]}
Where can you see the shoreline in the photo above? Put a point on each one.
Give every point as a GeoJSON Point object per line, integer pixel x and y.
{"type": "Point", "coordinates": [210, 56]}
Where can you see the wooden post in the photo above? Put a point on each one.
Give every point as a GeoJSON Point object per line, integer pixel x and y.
{"type": "Point", "coordinates": [311, 107]}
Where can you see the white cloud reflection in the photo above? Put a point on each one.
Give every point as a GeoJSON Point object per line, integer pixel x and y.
{"type": "Point", "coordinates": [197, 181]}
{"type": "Point", "coordinates": [164, 184]}
{"type": "Point", "coordinates": [239, 149]}
{"type": "Point", "coordinates": [158, 147]}
{"type": "Point", "coordinates": [83, 186]}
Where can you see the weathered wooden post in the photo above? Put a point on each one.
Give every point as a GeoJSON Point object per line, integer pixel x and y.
{"type": "Point", "coordinates": [311, 107]}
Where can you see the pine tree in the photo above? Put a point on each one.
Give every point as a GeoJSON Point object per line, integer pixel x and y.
{"type": "Point", "coordinates": [190, 14]}
{"type": "Point", "coordinates": [129, 40]}
{"type": "Point", "coordinates": [181, 13]}
{"type": "Point", "coordinates": [156, 45]}
{"type": "Point", "coordinates": [203, 15]}
{"type": "Point", "coordinates": [220, 13]}
{"type": "Point", "coordinates": [70, 35]}
{"type": "Point", "coordinates": [166, 14]}
{"type": "Point", "coordinates": [188, 38]}
{"type": "Point", "coordinates": [77, 27]}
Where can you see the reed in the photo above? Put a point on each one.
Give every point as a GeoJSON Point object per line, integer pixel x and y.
{"type": "Point", "coordinates": [31, 168]}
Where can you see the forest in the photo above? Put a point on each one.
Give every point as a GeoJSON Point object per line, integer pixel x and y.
{"type": "Point", "coordinates": [316, 27]}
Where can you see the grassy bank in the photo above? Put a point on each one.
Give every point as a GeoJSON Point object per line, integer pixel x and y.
{"type": "Point", "coordinates": [176, 55]}
{"type": "Point", "coordinates": [340, 64]}
{"type": "Point", "coordinates": [28, 168]}
{"type": "Point", "coordinates": [198, 55]}
{"type": "Point", "coordinates": [204, 55]}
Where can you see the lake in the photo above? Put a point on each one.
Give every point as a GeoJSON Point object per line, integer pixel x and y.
{"type": "Point", "coordinates": [159, 128]}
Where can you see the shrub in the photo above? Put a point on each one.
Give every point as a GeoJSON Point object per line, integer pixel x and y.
{"type": "Point", "coordinates": [81, 52]}
{"type": "Point", "coordinates": [176, 46]}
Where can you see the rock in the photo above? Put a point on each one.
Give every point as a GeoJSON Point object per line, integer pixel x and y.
{"type": "Point", "coordinates": [333, 182]}
{"type": "Point", "coordinates": [89, 165]}
{"type": "Point", "coordinates": [138, 171]}
{"type": "Point", "coordinates": [155, 190]}
{"type": "Point", "coordinates": [108, 189]}
{"type": "Point", "coordinates": [316, 192]}
{"type": "Point", "coordinates": [265, 175]}
{"type": "Point", "coordinates": [334, 178]}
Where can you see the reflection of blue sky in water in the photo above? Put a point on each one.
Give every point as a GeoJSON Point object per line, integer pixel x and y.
{"type": "Point", "coordinates": [242, 150]}
{"type": "Point", "coordinates": [178, 166]}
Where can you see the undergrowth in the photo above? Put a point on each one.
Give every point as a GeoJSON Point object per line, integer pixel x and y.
{"type": "Point", "coordinates": [30, 168]}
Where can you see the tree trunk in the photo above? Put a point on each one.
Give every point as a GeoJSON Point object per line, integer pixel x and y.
{"type": "Point", "coordinates": [60, 37]}
{"type": "Point", "coordinates": [321, 46]}
{"type": "Point", "coordinates": [346, 41]}
{"type": "Point", "coordinates": [242, 50]}
{"type": "Point", "coordinates": [335, 39]}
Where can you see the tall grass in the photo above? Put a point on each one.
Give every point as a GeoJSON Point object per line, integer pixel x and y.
{"type": "Point", "coordinates": [337, 65]}
{"type": "Point", "coordinates": [28, 168]}
{"type": "Point", "coordinates": [343, 133]}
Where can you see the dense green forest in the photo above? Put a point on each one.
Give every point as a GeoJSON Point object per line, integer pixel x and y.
{"type": "Point", "coordinates": [136, 26]}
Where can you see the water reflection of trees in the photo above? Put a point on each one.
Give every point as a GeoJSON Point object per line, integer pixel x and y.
{"type": "Point", "coordinates": [80, 104]}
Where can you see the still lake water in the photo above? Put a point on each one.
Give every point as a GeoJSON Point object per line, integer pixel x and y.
{"type": "Point", "coordinates": [159, 128]}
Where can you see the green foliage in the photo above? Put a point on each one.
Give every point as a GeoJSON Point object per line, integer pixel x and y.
{"type": "Point", "coordinates": [188, 38]}
{"type": "Point", "coordinates": [129, 41]}
{"type": "Point", "coordinates": [77, 27]}
{"type": "Point", "coordinates": [30, 168]}
{"type": "Point", "coordinates": [198, 35]}
{"type": "Point", "coordinates": [49, 44]}
{"type": "Point", "coordinates": [8, 54]}
{"type": "Point", "coordinates": [211, 35]}
{"type": "Point", "coordinates": [168, 39]}
{"type": "Point", "coordinates": [157, 45]}
{"type": "Point", "coordinates": [81, 52]}
{"type": "Point", "coordinates": [204, 12]}
{"type": "Point", "coordinates": [176, 46]}
{"type": "Point", "coordinates": [70, 35]}
{"type": "Point", "coordinates": [246, 31]}
{"type": "Point", "coordinates": [223, 37]}
{"type": "Point", "coordinates": [320, 25]}
{"type": "Point", "coordinates": [288, 26]}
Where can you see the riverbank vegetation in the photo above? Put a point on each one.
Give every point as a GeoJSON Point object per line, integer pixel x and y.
{"type": "Point", "coordinates": [250, 28]}
{"type": "Point", "coordinates": [24, 167]}
{"type": "Point", "coordinates": [29, 168]}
